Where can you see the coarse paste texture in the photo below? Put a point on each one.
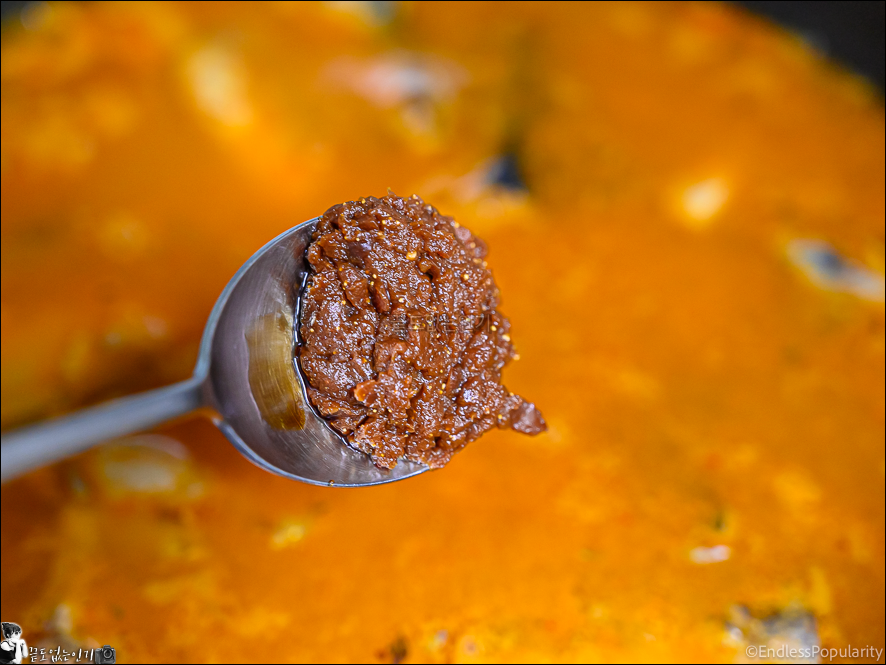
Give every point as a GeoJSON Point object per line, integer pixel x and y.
{"type": "Point", "coordinates": [403, 345]}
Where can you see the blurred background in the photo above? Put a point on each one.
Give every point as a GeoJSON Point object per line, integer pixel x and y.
{"type": "Point", "coordinates": [684, 205]}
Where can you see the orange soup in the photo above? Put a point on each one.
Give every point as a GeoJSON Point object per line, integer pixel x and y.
{"type": "Point", "coordinates": [684, 208]}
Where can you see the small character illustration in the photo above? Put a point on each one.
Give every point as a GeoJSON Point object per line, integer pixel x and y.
{"type": "Point", "coordinates": [13, 649]}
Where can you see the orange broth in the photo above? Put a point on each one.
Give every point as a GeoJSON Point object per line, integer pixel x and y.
{"type": "Point", "coordinates": [702, 391]}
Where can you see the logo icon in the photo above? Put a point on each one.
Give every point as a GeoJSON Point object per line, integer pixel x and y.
{"type": "Point", "coordinates": [13, 649]}
{"type": "Point", "coordinates": [106, 654]}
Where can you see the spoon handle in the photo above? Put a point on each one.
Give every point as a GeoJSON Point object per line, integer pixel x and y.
{"type": "Point", "coordinates": [31, 447]}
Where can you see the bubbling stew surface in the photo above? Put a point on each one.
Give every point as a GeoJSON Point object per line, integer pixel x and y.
{"type": "Point", "coordinates": [684, 208]}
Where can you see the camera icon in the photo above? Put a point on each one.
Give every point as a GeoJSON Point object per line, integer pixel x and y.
{"type": "Point", "coordinates": [106, 654]}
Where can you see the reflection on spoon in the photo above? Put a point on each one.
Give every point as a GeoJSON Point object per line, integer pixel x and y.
{"type": "Point", "coordinates": [272, 372]}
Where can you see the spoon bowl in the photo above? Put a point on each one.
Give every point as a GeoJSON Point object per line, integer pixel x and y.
{"type": "Point", "coordinates": [247, 377]}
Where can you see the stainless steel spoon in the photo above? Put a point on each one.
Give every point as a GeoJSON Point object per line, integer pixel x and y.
{"type": "Point", "coordinates": [246, 378]}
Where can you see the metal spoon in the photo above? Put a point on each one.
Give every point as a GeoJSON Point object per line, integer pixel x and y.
{"type": "Point", "coordinates": [246, 378]}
